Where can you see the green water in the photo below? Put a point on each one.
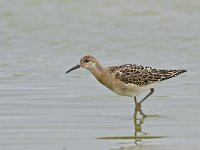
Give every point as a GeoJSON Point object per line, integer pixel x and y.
{"type": "Point", "coordinates": [43, 108]}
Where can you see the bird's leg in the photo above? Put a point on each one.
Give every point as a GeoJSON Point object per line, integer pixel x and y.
{"type": "Point", "coordinates": [151, 92]}
{"type": "Point", "coordinates": [138, 107]}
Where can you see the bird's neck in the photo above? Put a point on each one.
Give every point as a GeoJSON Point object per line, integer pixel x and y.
{"type": "Point", "coordinates": [102, 75]}
{"type": "Point", "coordinates": [98, 71]}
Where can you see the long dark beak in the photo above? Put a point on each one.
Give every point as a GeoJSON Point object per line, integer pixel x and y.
{"type": "Point", "coordinates": [74, 68]}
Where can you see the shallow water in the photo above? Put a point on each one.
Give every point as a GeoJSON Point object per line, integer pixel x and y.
{"type": "Point", "coordinates": [43, 108]}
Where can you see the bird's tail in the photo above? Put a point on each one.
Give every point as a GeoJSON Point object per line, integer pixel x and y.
{"type": "Point", "coordinates": [167, 74]}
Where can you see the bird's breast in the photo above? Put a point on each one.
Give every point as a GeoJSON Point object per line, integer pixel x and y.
{"type": "Point", "coordinates": [119, 87]}
{"type": "Point", "coordinates": [114, 84]}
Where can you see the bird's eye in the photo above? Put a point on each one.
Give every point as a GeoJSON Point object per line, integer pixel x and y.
{"type": "Point", "coordinates": [86, 61]}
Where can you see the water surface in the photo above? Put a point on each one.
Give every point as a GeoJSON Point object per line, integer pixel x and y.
{"type": "Point", "coordinates": [43, 108]}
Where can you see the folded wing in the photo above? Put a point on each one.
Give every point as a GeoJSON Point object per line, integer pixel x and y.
{"type": "Point", "coordinates": [140, 75]}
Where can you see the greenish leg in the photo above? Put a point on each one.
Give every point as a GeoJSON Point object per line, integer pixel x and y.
{"type": "Point", "coordinates": [150, 93]}
{"type": "Point", "coordinates": [138, 106]}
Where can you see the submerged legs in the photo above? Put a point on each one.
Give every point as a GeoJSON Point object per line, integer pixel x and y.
{"type": "Point", "coordinates": [138, 106]}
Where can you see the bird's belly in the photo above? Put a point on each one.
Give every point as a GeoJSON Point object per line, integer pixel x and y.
{"type": "Point", "coordinates": [125, 89]}
{"type": "Point", "coordinates": [121, 88]}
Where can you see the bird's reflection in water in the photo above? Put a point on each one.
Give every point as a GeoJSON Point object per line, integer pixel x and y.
{"type": "Point", "coordinates": [138, 127]}
{"type": "Point", "coordinates": [139, 135]}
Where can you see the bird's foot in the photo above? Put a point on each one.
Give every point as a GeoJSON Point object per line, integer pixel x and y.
{"type": "Point", "coordinates": [138, 108]}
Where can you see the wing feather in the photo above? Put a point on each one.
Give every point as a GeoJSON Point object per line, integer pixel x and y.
{"type": "Point", "coordinates": [142, 75]}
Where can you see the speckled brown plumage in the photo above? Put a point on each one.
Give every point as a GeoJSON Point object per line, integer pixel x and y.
{"type": "Point", "coordinates": [140, 75]}
{"type": "Point", "coordinates": [127, 80]}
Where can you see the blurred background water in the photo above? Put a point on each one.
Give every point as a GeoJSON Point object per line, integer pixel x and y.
{"type": "Point", "coordinates": [43, 108]}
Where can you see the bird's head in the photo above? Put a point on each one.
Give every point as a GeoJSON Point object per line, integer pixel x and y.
{"type": "Point", "coordinates": [88, 62]}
